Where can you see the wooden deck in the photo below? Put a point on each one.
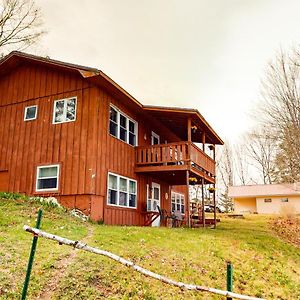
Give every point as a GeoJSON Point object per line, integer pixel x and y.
{"type": "Point", "coordinates": [175, 157]}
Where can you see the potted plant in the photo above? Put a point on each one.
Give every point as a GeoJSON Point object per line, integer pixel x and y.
{"type": "Point", "coordinates": [211, 189]}
{"type": "Point", "coordinates": [193, 180]}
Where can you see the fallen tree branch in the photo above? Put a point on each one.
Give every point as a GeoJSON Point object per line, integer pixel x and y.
{"type": "Point", "coordinates": [83, 246]}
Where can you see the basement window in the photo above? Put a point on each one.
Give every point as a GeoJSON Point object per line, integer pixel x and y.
{"type": "Point", "coordinates": [64, 110]}
{"type": "Point", "coordinates": [268, 200]}
{"type": "Point", "coordinates": [122, 127]}
{"type": "Point", "coordinates": [47, 178]}
{"type": "Point", "coordinates": [30, 113]}
{"type": "Point", "coordinates": [121, 191]}
{"type": "Point", "coordinates": [284, 200]}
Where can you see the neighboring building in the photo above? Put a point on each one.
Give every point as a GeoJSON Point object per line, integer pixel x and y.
{"type": "Point", "coordinates": [266, 198]}
{"type": "Point", "coordinates": [71, 132]}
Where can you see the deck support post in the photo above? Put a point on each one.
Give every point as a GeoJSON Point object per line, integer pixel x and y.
{"type": "Point", "coordinates": [188, 198]}
{"type": "Point", "coordinates": [189, 138]}
{"type": "Point", "coordinates": [214, 199]}
{"type": "Point", "coordinates": [203, 141]}
{"type": "Point", "coordinates": [203, 208]}
{"type": "Point", "coordinates": [189, 130]}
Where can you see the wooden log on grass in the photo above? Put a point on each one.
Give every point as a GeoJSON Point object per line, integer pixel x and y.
{"type": "Point", "coordinates": [85, 247]}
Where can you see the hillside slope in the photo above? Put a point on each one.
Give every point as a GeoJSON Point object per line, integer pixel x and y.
{"type": "Point", "coordinates": [263, 264]}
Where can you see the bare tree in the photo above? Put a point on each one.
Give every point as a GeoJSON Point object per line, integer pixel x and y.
{"type": "Point", "coordinates": [280, 111]}
{"type": "Point", "coordinates": [242, 165]}
{"type": "Point", "coordinates": [225, 170]}
{"type": "Point", "coordinates": [20, 24]}
{"type": "Point", "coordinates": [261, 149]}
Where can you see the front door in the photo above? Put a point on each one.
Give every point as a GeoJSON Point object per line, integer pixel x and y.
{"type": "Point", "coordinates": [154, 201]}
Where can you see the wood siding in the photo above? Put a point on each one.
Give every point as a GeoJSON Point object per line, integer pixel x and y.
{"type": "Point", "coordinates": [84, 148]}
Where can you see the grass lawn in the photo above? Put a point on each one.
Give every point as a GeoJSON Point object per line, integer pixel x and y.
{"type": "Point", "coordinates": [264, 265]}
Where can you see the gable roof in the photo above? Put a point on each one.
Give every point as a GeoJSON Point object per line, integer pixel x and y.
{"type": "Point", "coordinates": [175, 117]}
{"type": "Point", "coordinates": [259, 190]}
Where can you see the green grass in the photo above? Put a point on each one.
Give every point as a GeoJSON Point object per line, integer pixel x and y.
{"type": "Point", "coordinates": [264, 265]}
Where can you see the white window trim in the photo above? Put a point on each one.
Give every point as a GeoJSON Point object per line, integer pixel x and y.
{"type": "Point", "coordinates": [127, 125]}
{"type": "Point", "coordinates": [37, 178]}
{"type": "Point", "coordinates": [65, 99]}
{"type": "Point", "coordinates": [118, 190]}
{"type": "Point", "coordinates": [25, 113]}
{"type": "Point", "coordinates": [153, 134]}
{"type": "Point", "coordinates": [181, 195]}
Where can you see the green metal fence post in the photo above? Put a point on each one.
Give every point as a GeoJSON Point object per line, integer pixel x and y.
{"type": "Point", "coordinates": [31, 256]}
{"type": "Point", "coordinates": [229, 279]}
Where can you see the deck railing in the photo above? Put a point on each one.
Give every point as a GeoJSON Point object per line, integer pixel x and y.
{"type": "Point", "coordinates": [178, 153]}
{"type": "Point", "coordinates": [202, 160]}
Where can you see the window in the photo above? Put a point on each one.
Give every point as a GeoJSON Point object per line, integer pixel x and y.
{"type": "Point", "coordinates": [155, 139]}
{"type": "Point", "coordinates": [284, 200]}
{"type": "Point", "coordinates": [30, 113]}
{"type": "Point", "coordinates": [47, 178]}
{"type": "Point", "coordinates": [122, 127]}
{"type": "Point", "coordinates": [121, 191]}
{"type": "Point", "coordinates": [268, 200]}
{"type": "Point", "coordinates": [64, 110]}
{"type": "Point", "coordinates": [177, 202]}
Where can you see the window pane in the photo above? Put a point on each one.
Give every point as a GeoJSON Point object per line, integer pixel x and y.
{"type": "Point", "coordinates": [123, 198]}
{"type": "Point", "coordinates": [132, 187]}
{"type": "Point", "coordinates": [156, 193]}
{"type": "Point", "coordinates": [30, 113]}
{"type": "Point", "coordinates": [173, 207]}
{"type": "Point", "coordinates": [113, 115]}
{"type": "Point", "coordinates": [71, 109]}
{"type": "Point", "coordinates": [178, 207]}
{"type": "Point", "coordinates": [132, 200]}
{"type": "Point", "coordinates": [47, 172]}
{"type": "Point", "coordinates": [123, 121]}
{"type": "Point", "coordinates": [131, 126]}
{"type": "Point", "coordinates": [50, 183]}
{"type": "Point", "coordinates": [132, 139]}
{"type": "Point", "coordinates": [123, 134]}
{"type": "Point", "coordinates": [113, 128]}
{"type": "Point", "coordinates": [123, 184]}
{"type": "Point", "coordinates": [113, 182]}
{"type": "Point", "coordinates": [112, 197]}
{"type": "Point", "coordinates": [182, 209]}
{"type": "Point", "coordinates": [59, 111]}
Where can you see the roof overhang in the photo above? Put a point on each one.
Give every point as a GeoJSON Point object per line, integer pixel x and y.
{"type": "Point", "coordinates": [176, 119]}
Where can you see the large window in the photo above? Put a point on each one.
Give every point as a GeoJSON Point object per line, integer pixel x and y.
{"type": "Point", "coordinates": [30, 113]}
{"type": "Point", "coordinates": [122, 127]}
{"type": "Point", "coordinates": [177, 202]}
{"type": "Point", "coordinates": [64, 110]}
{"type": "Point", "coordinates": [121, 191]}
{"type": "Point", "coordinates": [47, 178]}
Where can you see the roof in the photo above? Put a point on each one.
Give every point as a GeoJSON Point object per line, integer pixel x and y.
{"type": "Point", "coordinates": [174, 118]}
{"type": "Point", "coordinates": [259, 190]}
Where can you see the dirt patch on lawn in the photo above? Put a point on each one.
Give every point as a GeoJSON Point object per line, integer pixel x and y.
{"type": "Point", "coordinates": [59, 272]}
{"type": "Point", "coordinates": [287, 228]}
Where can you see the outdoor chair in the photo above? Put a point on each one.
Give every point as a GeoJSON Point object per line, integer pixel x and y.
{"type": "Point", "coordinates": [164, 215]}
{"type": "Point", "coordinates": [178, 219]}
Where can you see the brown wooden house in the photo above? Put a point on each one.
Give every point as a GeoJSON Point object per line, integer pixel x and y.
{"type": "Point", "coordinates": [71, 132]}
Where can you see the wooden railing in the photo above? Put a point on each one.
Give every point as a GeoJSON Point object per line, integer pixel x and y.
{"type": "Point", "coordinates": [179, 153]}
{"type": "Point", "coordinates": [162, 154]}
{"type": "Point", "coordinates": [202, 160]}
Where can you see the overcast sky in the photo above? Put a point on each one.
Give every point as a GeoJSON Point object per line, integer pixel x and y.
{"type": "Point", "coordinates": [209, 55]}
